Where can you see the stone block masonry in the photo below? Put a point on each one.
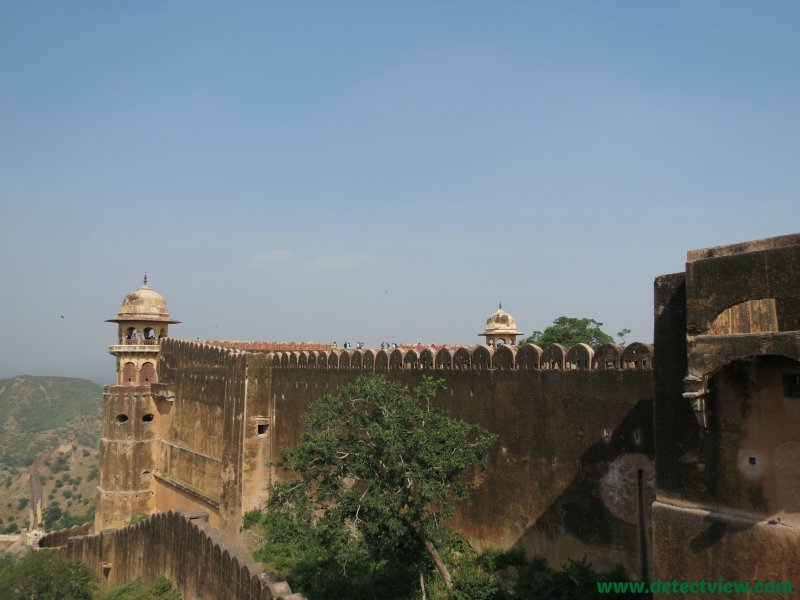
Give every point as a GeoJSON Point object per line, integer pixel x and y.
{"type": "Point", "coordinates": [178, 545]}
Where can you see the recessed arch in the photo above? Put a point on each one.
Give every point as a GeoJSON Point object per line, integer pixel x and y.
{"type": "Point", "coordinates": [396, 359]}
{"type": "Point", "coordinates": [147, 374]}
{"type": "Point", "coordinates": [528, 357]}
{"type": "Point", "coordinates": [580, 356]}
{"type": "Point", "coordinates": [411, 359]}
{"type": "Point", "coordinates": [638, 356]}
{"type": "Point", "coordinates": [129, 374]}
{"type": "Point", "coordinates": [462, 359]}
{"type": "Point", "coordinates": [444, 359]}
{"type": "Point", "coordinates": [503, 357]}
{"type": "Point", "coordinates": [368, 360]}
{"type": "Point", "coordinates": [482, 357]}
{"type": "Point", "coordinates": [554, 357]}
{"type": "Point", "coordinates": [608, 356]}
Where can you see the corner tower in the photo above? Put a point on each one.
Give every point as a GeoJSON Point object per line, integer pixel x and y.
{"type": "Point", "coordinates": [143, 320]}
{"type": "Point", "coordinates": [131, 420]}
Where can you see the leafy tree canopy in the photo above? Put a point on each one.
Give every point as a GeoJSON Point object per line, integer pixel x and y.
{"type": "Point", "coordinates": [379, 464]}
{"type": "Point", "coordinates": [569, 331]}
{"type": "Point", "coordinates": [46, 575]}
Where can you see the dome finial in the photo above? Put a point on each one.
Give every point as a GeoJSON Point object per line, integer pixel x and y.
{"type": "Point", "coordinates": [145, 278]}
{"type": "Point", "coordinates": [501, 306]}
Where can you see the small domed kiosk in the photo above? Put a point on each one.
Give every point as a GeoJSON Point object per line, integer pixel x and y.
{"type": "Point", "coordinates": [143, 320]}
{"type": "Point", "coordinates": [501, 328]}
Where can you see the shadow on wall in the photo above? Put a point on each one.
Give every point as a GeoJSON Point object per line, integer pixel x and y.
{"type": "Point", "coordinates": [605, 509]}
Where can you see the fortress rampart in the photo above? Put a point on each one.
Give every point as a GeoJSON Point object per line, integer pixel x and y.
{"type": "Point", "coordinates": [571, 475]}
{"type": "Point", "coordinates": [713, 406]}
{"type": "Point", "coordinates": [176, 544]}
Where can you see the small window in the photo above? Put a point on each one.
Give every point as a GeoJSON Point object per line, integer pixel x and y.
{"type": "Point", "coordinates": [148, 418]}
{"type": "Point", "coordinates": [791, 385]}
{"type": "Point", "coordinates": [121, 418]}
{"type": "Point", "coordinates": [262, 429]}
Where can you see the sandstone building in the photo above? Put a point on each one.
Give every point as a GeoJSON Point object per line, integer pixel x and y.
{"type": "Point", "coordinates": [710, 412]}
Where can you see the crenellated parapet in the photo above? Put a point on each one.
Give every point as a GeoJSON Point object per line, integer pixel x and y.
{"type": "Point", "coordinates": [554, 357]}
{"type": "Point", "coordinates": [180, 545]}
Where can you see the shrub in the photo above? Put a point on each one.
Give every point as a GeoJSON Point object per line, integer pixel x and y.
{"type": "Point", "coordinates": [47, 576]}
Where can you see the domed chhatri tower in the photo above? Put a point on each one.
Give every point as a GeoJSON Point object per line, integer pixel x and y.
{"type": "Point", "coordinates": [501, 328]}
{"type": "Point", "coordinates": [142, 321]}
{"type": "Point", "coordinates": [131, 418]}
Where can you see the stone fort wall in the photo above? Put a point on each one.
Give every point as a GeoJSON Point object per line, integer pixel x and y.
{"type": "Point", "coordinates": [571, 475]}
{"type": "Point", "coordinates": [179, 545]}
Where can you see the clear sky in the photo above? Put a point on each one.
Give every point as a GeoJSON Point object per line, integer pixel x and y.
{"type": "Point", "coordinates": [367, 171]}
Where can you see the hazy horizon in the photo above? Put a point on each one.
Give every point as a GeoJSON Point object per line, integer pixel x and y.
{"type": "Point", "coordinates": [360, 171]}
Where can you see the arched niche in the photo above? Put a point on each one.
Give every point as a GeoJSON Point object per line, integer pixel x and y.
{"type": "Point", "coordinates": [381, 360]}
{"type": "Point", "coordinates": [322, 360]}
{"type": "Point", "coordinates": [758, 315]}
{"type": "Point", "coordinates": [285, 360]}
{"type": "Point", "coordinates": [276, 359]}
{"type": "Point", "coordinates": [482, 357]}
{"type": "Point", "coordinates": [333, 359]}
{"type": "Point", "coordinates": [368, 361]}
{"type": "Point", "coordinates": [608, 356]}
{"type": "Point", "coordinates": [147, 374]}
{"type": "Point", "coordinates": [554, 358]}
{"type": "Point", "coordinates": [293, 359]}
{"type": "Point", "coordinates": [344, 359]}
{"type": "Point", "coordinates": [129, 374]}
{"type": "Point", "coordinates": [396, 359]}
{"type": "Point", "coordinates": [580, 356]}
{"type": "Point", "coordinates": [504, 357]}
{"type": "Point", "coordinates": [356, 359]}
{"type": "Point", "coordinates": [528, 357]}
{"type": "Point", "coordinates": [411, 359]}
{"type": "Point", "coordinates": [462, 359]}
{"type": "Point", "coordinates": [312, 359]}
{"type": "Point", "coordinates": [637, 356]}
{"type": "Point", "coordinates": [302, 360]}
{"type": "Point", "coordinates": [444, 359]}
{"type": "Point", "coordinates": [426, 358]}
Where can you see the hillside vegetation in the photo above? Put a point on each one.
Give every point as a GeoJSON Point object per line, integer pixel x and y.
{"type": "Point", "coordinates": [38, 415]}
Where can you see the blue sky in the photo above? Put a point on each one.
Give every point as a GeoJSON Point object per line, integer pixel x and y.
{"type": "Point", "coordinates": [370, 171]}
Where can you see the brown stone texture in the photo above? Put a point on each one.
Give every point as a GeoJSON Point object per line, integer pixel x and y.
{"type": "Point", "coordinates": [583, 449]}
{"type": "Point", "coordinates": [727, 415]}
{"type": "Point", "coordinates": [178, 545]}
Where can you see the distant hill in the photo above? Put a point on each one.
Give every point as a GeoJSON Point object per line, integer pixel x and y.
{"type": "Point", "coordinates": [38, 413]}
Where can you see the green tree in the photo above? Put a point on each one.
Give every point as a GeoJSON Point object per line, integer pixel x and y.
{"type": "Point", "coordinates": [46, 575]}
{"type": "Point", "coordinates": [569, 331]}
{"type": "Point", "coordinates": [379, 464]}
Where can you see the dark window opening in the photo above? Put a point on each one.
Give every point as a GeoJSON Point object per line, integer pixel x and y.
{"type": "Point", "coordinates": [145, 474]}
{"type": "Point", "coordinates": [752, 460]}
{"type": "Point", "coordinates": [262, 429]}
{"type": "Point", "coordinates": [791, 385]}
{"type": "Point", "coordinates": [121, 419]}
{"type": "Point", "coordinates": [148, 418]}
